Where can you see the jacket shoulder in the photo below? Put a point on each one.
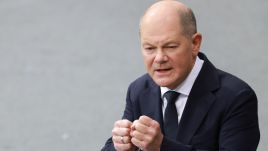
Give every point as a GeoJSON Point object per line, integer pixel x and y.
{"type": "Point", "coordinates": [141, 83]}
{"type": "Point", "coordinates": [232, 83]}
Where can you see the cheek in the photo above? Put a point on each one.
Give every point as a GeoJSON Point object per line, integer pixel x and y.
{"type": "Point", "coordinates": [148, 61]}
{"type": "Point", "coordinates": [182, 64]}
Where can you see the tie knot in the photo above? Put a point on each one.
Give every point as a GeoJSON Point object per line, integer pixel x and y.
{"type": "Point", "coordinates": [171, 96]}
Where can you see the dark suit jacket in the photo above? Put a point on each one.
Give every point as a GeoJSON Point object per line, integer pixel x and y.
{"type": "Point", "coordinates": [220, 113]}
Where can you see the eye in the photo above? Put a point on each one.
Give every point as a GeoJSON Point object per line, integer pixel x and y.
{"type": "Point", "coordinates": [149, 49]}
{"type": "Point", "coordinates": [172, 47]}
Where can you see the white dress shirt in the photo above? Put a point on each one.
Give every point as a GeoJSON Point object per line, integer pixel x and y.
{"type": "Point", "coordinates": [184, 89]}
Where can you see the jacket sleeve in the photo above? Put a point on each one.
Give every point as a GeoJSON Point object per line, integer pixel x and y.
{"type": "Point", "coordinates": [128, 114]}
{"type": "Point", "coordinates": [240, 129]}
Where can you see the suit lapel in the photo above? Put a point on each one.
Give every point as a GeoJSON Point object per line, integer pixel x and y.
{"type": "Point", "coordinates": [194, 112]}
{"type": "Point", "coordinates": [151, 103]}
{"type": "Point", "coordinates": [199, 101]}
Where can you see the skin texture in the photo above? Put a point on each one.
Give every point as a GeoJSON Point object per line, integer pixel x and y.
{"type": "Point", "coordinates": [146, 134]}
{"type": "Point", "coordinates": [169, 56]}
{"type": "Point", "coordinates": [122, 128]}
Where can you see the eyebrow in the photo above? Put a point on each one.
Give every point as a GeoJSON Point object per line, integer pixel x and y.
{"type": "Point", "coordinates": [165, 44]}
{"type": "Point", "coordinates": [171, 43]}
{"type": "Point", "coordinates": [146, 43]}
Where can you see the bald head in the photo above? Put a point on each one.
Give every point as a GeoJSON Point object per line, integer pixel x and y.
{"type": "Point", "coordinates": [167, 11]}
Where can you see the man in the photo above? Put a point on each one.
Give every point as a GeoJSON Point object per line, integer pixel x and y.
{"type": "Point", "coordinates": [184, 103]}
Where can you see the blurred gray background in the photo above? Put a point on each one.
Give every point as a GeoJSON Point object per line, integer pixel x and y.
{"type": "Point", "coordinates": [65, 65]}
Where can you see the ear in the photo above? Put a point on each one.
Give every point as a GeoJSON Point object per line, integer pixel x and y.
{"type": "Point", "coordinates": [196, 41]}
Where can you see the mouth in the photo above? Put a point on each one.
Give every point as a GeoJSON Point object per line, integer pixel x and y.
{"type": "Point", "coordinates": [163, 71]}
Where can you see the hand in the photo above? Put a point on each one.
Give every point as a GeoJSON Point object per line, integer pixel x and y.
{"type": "Point", "coordinates": [146, 134]}
{"type": "Point", "coordinates": [121, 136]}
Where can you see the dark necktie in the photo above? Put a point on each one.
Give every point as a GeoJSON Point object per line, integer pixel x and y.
{"type": "Point", "coordinates": [171, 115]}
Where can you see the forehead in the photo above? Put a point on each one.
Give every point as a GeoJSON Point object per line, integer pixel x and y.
{"type": "Point", "coordinates": [158, 21]}
{"type": "Point", "coordinates": [159, 39]}
{"type": "Point", "coordinates": [160, 25]}
{"type": "Point", "coordinates": [160, 32]}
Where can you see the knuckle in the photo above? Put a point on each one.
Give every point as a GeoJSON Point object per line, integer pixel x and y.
{"type": "Point", "coordinates": [135, 122]}
{"type": "Point", "coordinates": [137, 125]}
{"type": "Point", "coordinates": [113, 131]}
{"type": "Point", "coordinates": [150, 139]}
{"type": "Point", "coordinates": [132, 140]}
{"type": "Point", "coordinates": [143, 118]}
{"type": "Point", "coordinates": [126, 122]}
{"type": "Point", "coordinates": [123, 121]}
{"type": "Point", "coordinates": [117, 123]}
{"type": "Point", "coordinates": [113, 138]}
{"type": "Point", "coordinates": [154, 132]}
{"type": "Point", "coordinates": [134, 133]}
{"type": "Point", "coordinates": [155, 124]}
{"type": "Point", "coordinates": [125, 131]}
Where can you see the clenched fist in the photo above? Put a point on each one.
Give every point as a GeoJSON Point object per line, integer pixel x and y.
{"type": "Point", "coordinates": [121, 136]}
{"type": "Point", "coordinates": [146, 134]}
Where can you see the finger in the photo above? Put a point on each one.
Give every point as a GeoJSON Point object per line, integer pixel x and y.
{"type": "Point", "coordinates": [117, 131]}
{"type": "Point", "coordinates": [123, 123]}
{"type": "Point", "coordinates": [124, 140]}
{"type": "Point", "coordinates": [138, 135]}
{"type": "Point", "coordinates": [145, 120]}
{"type": "Point", "coordinates": [141, 127]}
{"type": "Point", "coordinates": [122, 146]}
{"type": "Point", "coordinates": [133, 124]}
{"type": "Point", "coordinates": [155, 124]}
{"type": "Point", "coordinates": [137, 143]}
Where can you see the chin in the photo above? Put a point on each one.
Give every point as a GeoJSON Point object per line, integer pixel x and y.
{"type": "Point", "coordinates": [163, 82]}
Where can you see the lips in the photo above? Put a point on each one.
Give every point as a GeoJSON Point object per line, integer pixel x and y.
{"type": "Point", "coordinates": [163, 71]}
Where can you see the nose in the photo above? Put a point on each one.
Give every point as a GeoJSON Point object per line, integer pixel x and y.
{"type": "Point", "coordinates": [160, 57]}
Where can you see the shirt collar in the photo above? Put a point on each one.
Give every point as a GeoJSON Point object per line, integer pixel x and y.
{"type": "Point", "coordinates": [186, 86]}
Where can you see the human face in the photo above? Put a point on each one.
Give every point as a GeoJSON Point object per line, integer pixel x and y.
{"type": "Point", "coordinates": [168, 55]}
